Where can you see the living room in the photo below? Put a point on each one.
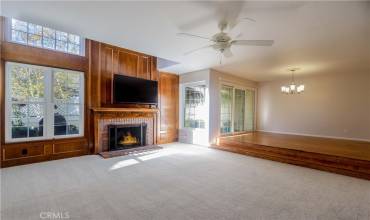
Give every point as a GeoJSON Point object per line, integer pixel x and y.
{"type": "Point", "coordinates": [185, 110]}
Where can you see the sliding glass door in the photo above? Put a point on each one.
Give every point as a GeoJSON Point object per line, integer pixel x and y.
{"type": "Point", "coordinates": [237, 109]}
{"type": "Point", "coordinates": [226, 109]}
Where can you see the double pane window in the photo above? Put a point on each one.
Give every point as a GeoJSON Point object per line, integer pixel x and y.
{"type": "Point", "coordinates": [43, 102]}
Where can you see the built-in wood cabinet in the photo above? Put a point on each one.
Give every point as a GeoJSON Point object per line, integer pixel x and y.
{"type": "Point", "coordinates": [169, 107]}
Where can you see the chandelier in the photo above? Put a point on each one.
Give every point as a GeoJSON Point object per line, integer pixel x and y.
{"type": "Point", "coordinates": [293, 88]}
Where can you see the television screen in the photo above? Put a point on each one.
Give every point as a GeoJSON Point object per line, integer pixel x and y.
{"type": "Point", "coordinates": [134, 90]}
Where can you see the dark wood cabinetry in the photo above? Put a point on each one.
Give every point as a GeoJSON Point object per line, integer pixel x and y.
{"type": "Point", "coordinates": [169, 107]}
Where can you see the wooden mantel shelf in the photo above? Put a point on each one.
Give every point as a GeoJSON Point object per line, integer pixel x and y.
{"type": "Point", "coordinates": [110, 110]}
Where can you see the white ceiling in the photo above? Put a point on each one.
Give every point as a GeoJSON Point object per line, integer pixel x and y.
{"type": "Point", "coordinates": [319, 37]}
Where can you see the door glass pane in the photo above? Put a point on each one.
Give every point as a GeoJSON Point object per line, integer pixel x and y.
{"type": "Point", "coordinates": [226, 109]}
{"type": "Point", "coordinates": [250, 110]}
{"type": "Point", "coordinates": [195, 109]}
{"type": "Point", "coordinates": [239, 110]}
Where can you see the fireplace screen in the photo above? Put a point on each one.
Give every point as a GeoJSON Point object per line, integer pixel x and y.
{"type": "Point", "coordinates": [126, 136]}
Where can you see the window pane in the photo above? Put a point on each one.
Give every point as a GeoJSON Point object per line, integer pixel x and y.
{"type": "Point", "coordinates": [74, 39]}
{"type": "Point", "coordinates": [34, 40]}
{"type": "Point", "coordinates": [60, 109]}
{"type": "Point", "coordinates": [19, 83]}
{"type": "Point", "coordinates": [65, 87]}
{"type": "Point", "coordinates": [195, 110]}
{"type": "Point", "coordinates": [73, 109]}
{"type": "Point", "coordinates": [18, 122]}
{"type": "Point", "coordinates": [35, 130]}
{"type": "Point", "coordinates": [19, 25]}
{"type": "Point", "coordinates": [36, 84]}
{"type": "Point", "coordinates": [60, 122]}
{"type": "Point", "coordinates": [48, 33]}
{"type": "Point", "coordinates": [73, 127]}
{"type": "Point", "coordinates": [19, 36]}
{"type": "Point", "coordinates": [19, 110]}
{"type": "Point", "coordinates": [35, 110]}
{"type": "Point", "coordinates": [34, 29]}
{"type": "Point", "coordinates": [19, 132]}
{"type": "Point", "coordinates": [48, 43]}
{"type": "Point", "coordinates": [61, 36]}
{"type": "Point", "coordinates": [239, 110]}
{"type": "Point", "coordinates": [61, 45]}
{"type": "Point", "coordinates": [226, 109]}
{"type": "Point", "coordinates": [74, 48]}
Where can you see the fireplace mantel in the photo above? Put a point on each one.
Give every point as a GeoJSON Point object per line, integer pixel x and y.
{"type": "Point", "coordinates": [107, 110]}
{"type": "Point", "coordinates": [101, 114]}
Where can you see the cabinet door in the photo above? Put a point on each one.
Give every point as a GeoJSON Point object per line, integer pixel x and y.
{"type": "Point", "coordinates": [107, 71]}
{"type": "Point", "coordinates": [169, 95]}
{"type": "Point", "coordinates": [128, 63]}
{"type": "Point", "coordinates": [144, 70]}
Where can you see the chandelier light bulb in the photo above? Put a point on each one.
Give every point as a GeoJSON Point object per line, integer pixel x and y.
{"type": "Point", "coordinates": [292, 87]}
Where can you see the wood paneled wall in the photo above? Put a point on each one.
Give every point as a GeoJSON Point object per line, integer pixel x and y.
{"type": "Point", "coordinates": [107, 60]}
{"type": "Point", "coordinates": [169, 107]}
{"type": "Point", "coordinates": [99, 64]}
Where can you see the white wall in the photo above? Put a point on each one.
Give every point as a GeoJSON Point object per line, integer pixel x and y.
{"type": "Point", "coordinates": [336, 105]}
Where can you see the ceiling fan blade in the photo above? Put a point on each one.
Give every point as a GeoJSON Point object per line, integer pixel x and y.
{"type": "Point", "coordinates": [238, 21]}
{"type": "Point", "coordinates": [248, 19]}
{"type": "Point", "coordinates": [227, 52]}
{"type": "Point", "coordinates": [253, 42]}
{"type": "Point", "coordinates": [192, 51]}
{"type": "Point", "coordinates": [193, 35]}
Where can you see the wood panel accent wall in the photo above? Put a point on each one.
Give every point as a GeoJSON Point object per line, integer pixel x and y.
{"type": "Point", "coordinates": [108, 60]}
{"type": "Point", "coordinates": [99, 64]}
{"type": "Point", "coordinates": [169, 107]}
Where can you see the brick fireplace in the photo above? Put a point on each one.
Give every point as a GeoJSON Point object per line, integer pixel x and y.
{"type": "Point", "coordinates": [116, 121]}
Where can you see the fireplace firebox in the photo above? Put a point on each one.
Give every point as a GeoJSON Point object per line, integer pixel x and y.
{"type": "Point", "coordinates": [126, 136]}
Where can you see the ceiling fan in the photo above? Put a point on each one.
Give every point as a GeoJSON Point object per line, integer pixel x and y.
{"type": "Point", "coordinates": [222, 42]}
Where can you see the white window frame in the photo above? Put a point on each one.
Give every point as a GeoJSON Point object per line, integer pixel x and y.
{"type": "Point", "coordinates": [8, 37]}
{"type": "Point", "coordinates": [240, 87]}
{"type": "Point", "coordinates": [48, 120]}
{"type": "Point", "coordinates": [182, 98]}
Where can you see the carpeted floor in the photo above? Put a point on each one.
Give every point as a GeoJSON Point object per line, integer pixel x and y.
{"type": "Point", "coordinates": [179, 182]}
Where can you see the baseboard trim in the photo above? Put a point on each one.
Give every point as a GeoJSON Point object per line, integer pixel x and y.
{"type": "Point", "coordinates": [313, 135]}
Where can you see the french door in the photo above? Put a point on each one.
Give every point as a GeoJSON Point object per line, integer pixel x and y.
{"type": "Point", "coordinates": [237, 109]}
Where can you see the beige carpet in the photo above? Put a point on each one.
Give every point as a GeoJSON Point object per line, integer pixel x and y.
{"type": "Point", "coordinates": [179, 182]}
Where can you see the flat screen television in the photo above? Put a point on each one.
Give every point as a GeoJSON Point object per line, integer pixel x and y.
{"type": "Point", "coordinates": [131, 90]}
